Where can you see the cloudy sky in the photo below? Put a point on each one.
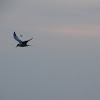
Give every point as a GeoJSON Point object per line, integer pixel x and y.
{"type": "Point", "coordinates": [63, 61]}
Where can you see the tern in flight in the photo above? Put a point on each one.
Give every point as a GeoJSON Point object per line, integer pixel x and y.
{"type": "Point", "coordinates": [21, 43]}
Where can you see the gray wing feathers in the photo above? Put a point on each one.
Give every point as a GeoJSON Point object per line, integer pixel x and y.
{"type": "Point", "coordinates": [16, 38]}
{"type": "Point", "coordinates": [30, 39]}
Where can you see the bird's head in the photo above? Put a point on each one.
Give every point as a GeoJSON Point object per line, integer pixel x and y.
{"type": "Point", "coordinates": [17, 45]}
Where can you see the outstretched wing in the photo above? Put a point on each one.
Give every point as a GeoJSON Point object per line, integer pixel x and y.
{"type": "Point", "coordinates": [16, 38]}
{"type": "Point", "coordinates": [28, 40]}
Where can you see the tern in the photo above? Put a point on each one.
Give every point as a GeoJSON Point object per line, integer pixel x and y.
{"type": "Point", "coordinates": [21, 43]}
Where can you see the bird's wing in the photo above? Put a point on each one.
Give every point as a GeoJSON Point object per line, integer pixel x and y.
{"type": "Point", "coordinates": [16, 38]}
{"type": "Point", "coordinates": [28, 40]}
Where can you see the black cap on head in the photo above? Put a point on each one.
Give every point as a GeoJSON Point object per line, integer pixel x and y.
{"type": "Point", "coordinates": [17, 45]}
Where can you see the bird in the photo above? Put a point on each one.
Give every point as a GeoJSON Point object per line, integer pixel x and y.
{"type": "Point", "coordinates": [21, 43]}
{"type": "Point", "coordinates": [20, 35]}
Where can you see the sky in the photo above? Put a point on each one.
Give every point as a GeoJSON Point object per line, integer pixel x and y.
{"type": "Point", "coordinates": [63, 61]}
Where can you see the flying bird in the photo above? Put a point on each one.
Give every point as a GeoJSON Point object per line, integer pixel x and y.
{"type": "Point", "coordinates": [20, 35]}
{"type": "Point", "coordinates": [21, 43]}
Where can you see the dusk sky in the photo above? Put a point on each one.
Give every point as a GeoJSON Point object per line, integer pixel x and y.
{"type": "Point", "coordinates": [63, 61]}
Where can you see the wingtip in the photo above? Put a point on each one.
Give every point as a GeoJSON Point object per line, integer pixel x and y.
{"type": "Point", "coordinates": [14, 34]}
{"type": "Point", "coordinates": [31, 38]}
